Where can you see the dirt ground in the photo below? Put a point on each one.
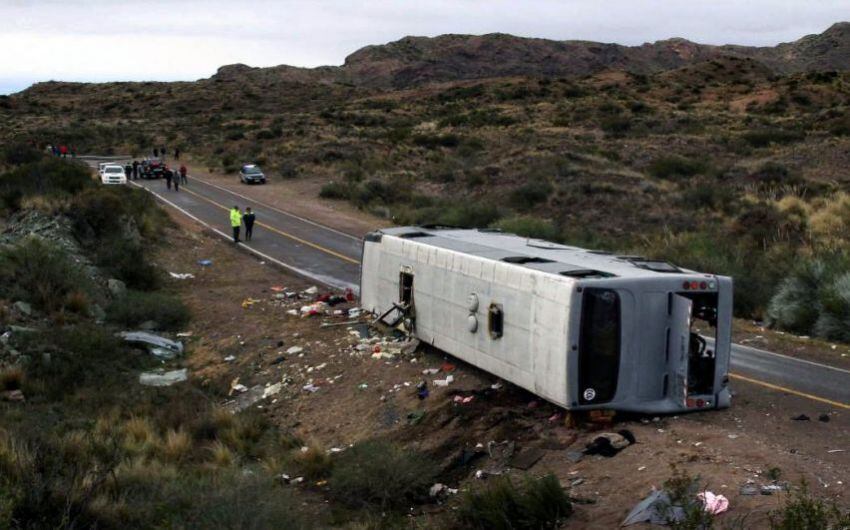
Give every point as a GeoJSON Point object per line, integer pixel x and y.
{"type": "Point", "coordinates": [238, 311]}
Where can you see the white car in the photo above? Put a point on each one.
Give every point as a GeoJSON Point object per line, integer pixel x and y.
{"type": "Point", "coordinates": [112, 174]}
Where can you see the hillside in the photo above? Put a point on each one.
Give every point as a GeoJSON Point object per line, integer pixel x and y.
{"type": "Point", "coordinates": [413, 61]}
{"type": "Point", "coordinates": [726, 159]}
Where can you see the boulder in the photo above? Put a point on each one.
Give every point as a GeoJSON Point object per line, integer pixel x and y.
{"type": "Point", "coordinates": [23, 308]}
{"type": "Point", "coordinates": [116, 287]}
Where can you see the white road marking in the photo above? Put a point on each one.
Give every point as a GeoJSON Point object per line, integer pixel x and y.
{"type": "Point", "coordinates": [333, 282]}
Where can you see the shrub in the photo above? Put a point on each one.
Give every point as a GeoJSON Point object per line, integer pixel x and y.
{"type": "Point", "coordinates": [335, 190]}
{"type": "Point", "coordinates": [765, 137]}
{"type": "Point", "coordinates": [795, 306]}
{"type": "Point", "coordinates": [314, 463]}
{"type": "Point", "coordinates": [528, 227]}
{"type": "Point", "coordinates": [21, 153]}
{"type": "Point", "coordinates": [76, 356]}
{"type": "Point", "coordinates": [834, 320]}
{"type": "Point", "coordinates": [49, 176]}
{"type": "Point", "coordinates": [41, 273]}
{"type": "Point", "coordinates": [166, 310]}
{"type": "Point", "coordinates": [376, 474]}
{"type": "Point", "coordinates": [530, 194]}
{"type": "Point", "coordinates": [540, 503]}
{"type": "Point", "coordinates": [128, 261]}
{"type": "Point", "coordinates": [802, 511]}
{"type": "Point", "coordinates": [674, 167]}
{"type": "Point", "coordinates": [433, 141]}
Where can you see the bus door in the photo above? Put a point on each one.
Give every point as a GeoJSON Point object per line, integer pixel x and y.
{"type": "Point", "coordinates": [678, 347]}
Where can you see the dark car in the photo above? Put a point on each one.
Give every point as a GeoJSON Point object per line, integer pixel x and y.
{"type": "Point", "coordinates": [152, 169]}
{"type": "Point", "coordinates": [251, 173]}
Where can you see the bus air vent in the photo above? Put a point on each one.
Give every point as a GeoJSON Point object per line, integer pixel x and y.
{"type": "Point", "coordinates": [656, 266]}
{"type": "Point", "coordinates": [413, 235]}
{"type": "Point", "coordinates": [522, 260]}
{"type": "Point", "coordinates": [586, 273]}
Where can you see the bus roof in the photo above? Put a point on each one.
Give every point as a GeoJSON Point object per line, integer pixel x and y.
{"type": "Point", "coordinates": [535, 254]}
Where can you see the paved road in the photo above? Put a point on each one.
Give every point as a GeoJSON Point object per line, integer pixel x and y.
{"type": "Point", "coordinates": [332, 257]}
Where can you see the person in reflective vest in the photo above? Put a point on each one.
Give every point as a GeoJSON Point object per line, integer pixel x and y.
{"type": "Point", "coordinates": [235, 222]}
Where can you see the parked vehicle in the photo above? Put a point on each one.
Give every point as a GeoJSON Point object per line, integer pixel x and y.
{"type": "Point", "coordinates": [112, 174]}
{"type": "Point", "coordinates": [152, 169]}
{"type": "Point", "coordinates": [251, 173]}
{"type": "Point", "coordinates": [581, 328]}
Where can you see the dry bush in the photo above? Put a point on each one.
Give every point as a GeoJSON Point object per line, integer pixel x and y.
{"type": "Point", "coordinates": [221, 456]}
{"type": "Point", "coordinates": [176, 446]}
{"type": "Point", "coordinates": [830, 222]}
{"type": "Point", "coordinates": [139, 436]}
{"type": "Point", "coordinates": [312, 461]}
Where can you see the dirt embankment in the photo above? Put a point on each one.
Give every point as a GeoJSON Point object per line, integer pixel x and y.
{"type": "Point", "coordinates": [335, 391]}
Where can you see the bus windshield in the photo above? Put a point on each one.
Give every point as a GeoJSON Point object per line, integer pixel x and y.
{"type": "Point", "coordinates": [599, 346]}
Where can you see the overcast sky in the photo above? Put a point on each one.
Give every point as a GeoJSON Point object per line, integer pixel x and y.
{"type": "Point", "coordinates": [106, 40]}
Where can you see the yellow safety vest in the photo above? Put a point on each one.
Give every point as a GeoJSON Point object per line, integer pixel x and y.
{"type": "Point", "coordinates": [235, 218]}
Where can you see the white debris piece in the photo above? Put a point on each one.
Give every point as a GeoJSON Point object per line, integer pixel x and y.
{"type": "Point", "coordinates": [294, 350]}
{"type": "Point", "coordinates": [162, 378]}
{"type": "Point", "coordinates": [181, 275]}
{"type": "Point", "coordinates": [444, 382]}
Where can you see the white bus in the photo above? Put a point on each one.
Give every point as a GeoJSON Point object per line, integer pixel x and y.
{"type": "Point", "coordinates": [583, 329]}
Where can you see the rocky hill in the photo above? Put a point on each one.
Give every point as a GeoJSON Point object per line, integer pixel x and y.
{"type": "Point", "coordinates": [413, 61]}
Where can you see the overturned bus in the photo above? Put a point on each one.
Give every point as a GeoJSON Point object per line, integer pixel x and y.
{"type": "Point", "coordinates": [583, 329]}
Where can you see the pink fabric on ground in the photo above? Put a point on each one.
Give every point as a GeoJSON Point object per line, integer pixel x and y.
{"type": "Point", "coordinates": [713, 504]}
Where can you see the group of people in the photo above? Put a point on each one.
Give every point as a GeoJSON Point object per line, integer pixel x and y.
{"type": "Point", "coordinates": [237, 219]}
{"type": "Point", "coordinates": [134, 170]}
{"type": "Point", "coordinates": [160, 152]}
{"type": "Point", "coordinates": [176, 177]}
{"type": "Point", "coordinates": [62, 150]}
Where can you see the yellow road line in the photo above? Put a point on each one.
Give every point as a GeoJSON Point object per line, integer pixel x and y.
{"type": "Point", "coordinates": [790, 391]}
{"type": "Point", "coordinates": [281, 232]}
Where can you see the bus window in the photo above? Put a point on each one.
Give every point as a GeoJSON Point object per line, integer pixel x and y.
{"type": "Point", "coordinates": [405, 288]}
{"type": "Point", "coordinates": [495, 321]}
{"type": "Point", "coordinates": [599, 346]}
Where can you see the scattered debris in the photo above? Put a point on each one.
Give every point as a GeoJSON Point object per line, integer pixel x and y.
{"type": "Point", "coordinates": [294, 350]}
{"type": "Point", "coordinates": [312, 291]}
{"type": "Point", "coordinates": [801, 417]}
{"type": "Point", "coordinates": [248, 302]}
{"type": "Point", "coordinates": [463, 400]}
{"type": "Point", "coordinates": [713, 504]}
{"type": "Point", "coordinates": [441, 490]}
{"type": "Point", "coordinates": [156, 345]}
{"type": "Point", "coordinates": [824, 418]}
{"type": "Point", "coordinates": [770, 489]}
{"type": "Point", "coordinates": [749, 489]}
{"type": "Point", "coordinates": [163, 378]}
{"type": "Point", "coordinates": [16, 395]}
{"type": "Point", "coordinates": [230, 358]}
{"type": "Point", "coordinates": [444, 382]}
{"type": "Point", "coordinates": [609, 444]}
{"type": "Point", "coordinates": [422, 390]}
{"type": "Point", "coordinates": [656, 508]}
{"type": "Point", "coordinates": [310, 387]}
{"type": "Point", "coordinates": [181, 275]}
{"type": "Point", "coordinates": [205, 262]}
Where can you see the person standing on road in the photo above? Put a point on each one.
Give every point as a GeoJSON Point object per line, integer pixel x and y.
{"type": "Point", "coordinates": [235, 222]}
{"type": "Point", "coordinates": [128, 171]}
{"type": "Point", "coordinates": [135, 169]}
{"type": "Point", "coordinates": [249, 219]}
{"type": "Point", "coordinates": [168, 174]}
{"type": "Point", "coordinates": [183, 172]}
{"type": "Point", "coordinates": [176, 153]}
{"type": "Point", "coordinates": [155, 152]}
